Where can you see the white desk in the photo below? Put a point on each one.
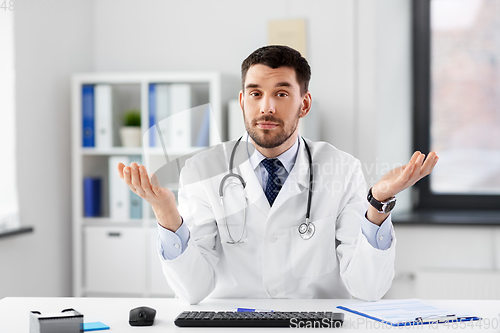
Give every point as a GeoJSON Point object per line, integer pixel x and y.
{"type": "Point", "coordinates": [114, 312]}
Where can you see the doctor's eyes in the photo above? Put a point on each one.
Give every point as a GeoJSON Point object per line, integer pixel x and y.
{"type": "Point", "coordinates": [259, 94]}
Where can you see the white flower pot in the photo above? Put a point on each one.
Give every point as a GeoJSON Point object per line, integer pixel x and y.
{"type": "Point", "coordinates": [131, 136]}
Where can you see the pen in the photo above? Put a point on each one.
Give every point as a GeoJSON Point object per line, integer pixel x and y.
{"type": "Point", "coordinates": [252, 310]}
{"type": "Point", "coordinates": [438, 319]}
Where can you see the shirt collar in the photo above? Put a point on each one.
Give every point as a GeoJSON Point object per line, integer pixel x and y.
{"type": "Point", "coordinates": [287, 158]}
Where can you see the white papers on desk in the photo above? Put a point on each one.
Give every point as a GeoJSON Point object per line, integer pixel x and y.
{"type": "Point", "coordinates": [399, 312]}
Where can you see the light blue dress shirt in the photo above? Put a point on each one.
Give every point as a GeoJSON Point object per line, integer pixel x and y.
{"type": "Point", "coordinates": [171, 245]}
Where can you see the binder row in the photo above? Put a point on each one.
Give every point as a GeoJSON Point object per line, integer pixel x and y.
{"type": "Point", "coordinates": [123, 203]}
{"type": "Point", "coordinates": [173, 122]}
{"type": "Point", "coordinates": [169, 109]}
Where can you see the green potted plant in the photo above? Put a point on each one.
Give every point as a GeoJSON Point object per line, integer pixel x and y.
{"type": "Point", "coordinates": [130, 133]}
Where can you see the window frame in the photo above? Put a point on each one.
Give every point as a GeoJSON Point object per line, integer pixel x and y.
{"type": "Point", "coordinates": [425, 199]}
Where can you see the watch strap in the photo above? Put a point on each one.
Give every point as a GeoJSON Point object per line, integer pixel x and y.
{"type": "Point", "coordinates": [382, 207]}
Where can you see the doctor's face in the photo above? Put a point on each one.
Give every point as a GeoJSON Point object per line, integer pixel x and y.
{"type": "Point", "coordinates": [272, 105]}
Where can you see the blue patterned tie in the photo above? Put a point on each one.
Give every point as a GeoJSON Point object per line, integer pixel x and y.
{"type": "Point", "coordinates": [273, 186]}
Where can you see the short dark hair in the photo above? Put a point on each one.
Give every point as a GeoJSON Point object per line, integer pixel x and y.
{"type": "Point", "coordinates": [276, 56]}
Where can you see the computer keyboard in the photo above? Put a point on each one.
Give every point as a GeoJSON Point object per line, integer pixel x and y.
{"type": "Point", "coordinates": [260, 319]}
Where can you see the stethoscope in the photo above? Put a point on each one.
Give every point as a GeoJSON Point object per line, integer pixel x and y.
{"type": "Point", "coordinates": [306, 229]}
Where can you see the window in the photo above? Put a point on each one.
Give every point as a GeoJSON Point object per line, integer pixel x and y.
{"type": "Point", "coordinates": [8, 189]}
{"type": "Point", "coordinates": [456, 50]}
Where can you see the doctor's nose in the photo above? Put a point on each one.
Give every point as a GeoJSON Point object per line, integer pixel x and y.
{"type": "Point", "coordinates": [267, 107]}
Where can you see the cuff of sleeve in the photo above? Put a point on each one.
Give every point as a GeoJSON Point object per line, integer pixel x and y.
{"type": "Point", "coordinates": [170, 244]}
{"type": "Point", "coordinates": [380, 237]}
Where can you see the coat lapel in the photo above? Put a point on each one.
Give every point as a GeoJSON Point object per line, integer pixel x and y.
{"type": "Point", "coordinates": [253, 191]}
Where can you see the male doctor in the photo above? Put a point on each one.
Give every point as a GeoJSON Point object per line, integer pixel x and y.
{"type": "Point", "coordinates": [226, 251]}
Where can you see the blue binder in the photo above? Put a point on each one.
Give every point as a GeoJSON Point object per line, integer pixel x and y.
{"type": "Point", "coordinates": [88, 138]}
{"type": "Point", "coordinates": [203, 138]}
{"type": "Point", "coordinates": [152, 114]}
{"type": "Point", "coordinates": [92, 196]}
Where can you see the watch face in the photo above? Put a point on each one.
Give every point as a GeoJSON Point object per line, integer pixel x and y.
{"type": "Point", "coordinates": [390, 206]}
{"type": "Point", "coordinates": [382, 207]}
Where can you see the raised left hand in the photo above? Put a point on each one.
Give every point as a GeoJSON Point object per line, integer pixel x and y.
{"type": "Point", "coordinates": [400, 178]}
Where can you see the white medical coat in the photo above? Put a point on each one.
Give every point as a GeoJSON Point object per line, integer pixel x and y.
{"type": "Point", "coordinates": [274, 261]}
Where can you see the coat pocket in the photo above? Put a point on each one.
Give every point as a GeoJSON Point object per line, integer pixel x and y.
{"type": "Point", "coordinates": [316, 256]}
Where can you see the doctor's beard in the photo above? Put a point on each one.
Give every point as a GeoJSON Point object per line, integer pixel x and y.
{"type": "Point", "coordinates": [267, 139]}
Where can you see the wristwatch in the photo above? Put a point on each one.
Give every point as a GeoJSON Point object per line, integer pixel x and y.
{"type": "Point", "coordinates": [382, 207]}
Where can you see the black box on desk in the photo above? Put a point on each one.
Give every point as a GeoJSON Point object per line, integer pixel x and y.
{"type": "Point", "coordinates": [68, 321]}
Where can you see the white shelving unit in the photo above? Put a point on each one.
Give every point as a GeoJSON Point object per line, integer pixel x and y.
{"type": "Point", "coordinates": [118, 257]}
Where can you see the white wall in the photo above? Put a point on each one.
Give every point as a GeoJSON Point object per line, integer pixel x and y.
{"type": "Point", "coordinates": [51, 42]}
{"type": "Point", "coordinates": [218, 35]}
{"type": "Point", "coordinates": [382, 104]}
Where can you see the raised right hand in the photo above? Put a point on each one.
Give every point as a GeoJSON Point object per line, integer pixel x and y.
{"type": "Point", "coordinates": [161, 199]}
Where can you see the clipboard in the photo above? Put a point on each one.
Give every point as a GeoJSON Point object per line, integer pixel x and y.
{"type": "Point", "coordinates": [406, 312]}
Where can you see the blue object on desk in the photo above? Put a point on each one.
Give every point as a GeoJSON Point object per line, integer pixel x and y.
{"type": "Point", "coordinates": [95, 326]}
{"type": "Point", "coordinates": [252, 310]}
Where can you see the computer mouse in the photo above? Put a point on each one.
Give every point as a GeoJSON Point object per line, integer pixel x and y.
{"type": "Point", "coordinates": [142, 316]}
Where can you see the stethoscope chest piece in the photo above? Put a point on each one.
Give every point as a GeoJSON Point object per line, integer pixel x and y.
{"type": "Point", "coordinates": [306, 230]}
